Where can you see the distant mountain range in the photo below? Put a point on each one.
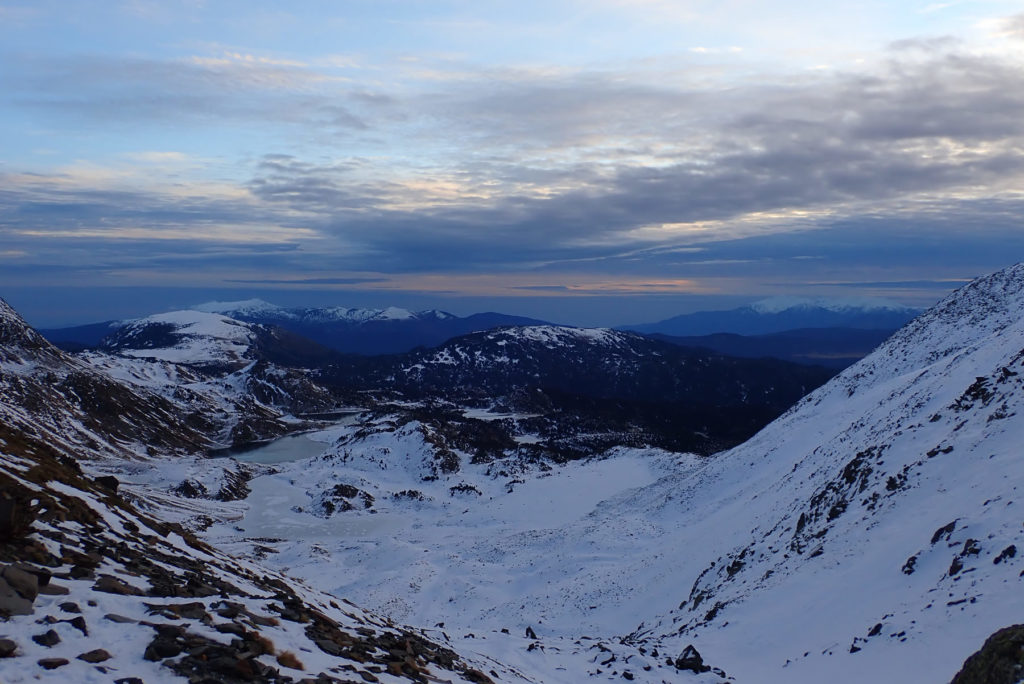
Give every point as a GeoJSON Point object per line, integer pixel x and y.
{"type": "Point", "coordinates": [831, 347]}
{"type": "Point", "coordinates": [786, 313]}
{"type": "Point", "coordinates": [832, 333]}
{"type": "Point", "coordinates": [348, 330]}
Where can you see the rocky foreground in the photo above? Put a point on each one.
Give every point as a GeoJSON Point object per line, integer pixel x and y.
{"type": "Point", "coordinates": [82, 567]}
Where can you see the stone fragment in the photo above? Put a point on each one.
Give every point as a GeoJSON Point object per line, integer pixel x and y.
{"type": "Point", "coordinates": [120, 619]}
{"type": "Point", "coordinates": [11, 602]}
{"type": "Point", "coordinates": [112, 585]}
{"type": "Point", "coordinates": [7, 648]}
{"type": "Point", "coordinates": [52, 663]}
{"type": "Point", "coordinates": [95, 656]}
{"type": "Point", "coordinates": [48, 638]}
{"type": "Point", "coordinates": [25, 583]}
{"type": "Point", "coordinates": [78, 622]}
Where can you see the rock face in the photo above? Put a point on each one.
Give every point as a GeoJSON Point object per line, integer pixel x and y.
{"type": "Point", "coordinates": [44, 389]}
{"type": "Point", "coordinates": [1000, 660]}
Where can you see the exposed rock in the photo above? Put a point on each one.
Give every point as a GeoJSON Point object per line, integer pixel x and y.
{"type": "Point", "coordinates": [1000, 660]}
{"type": "Point", "coordinates": [16, 518]}
{"type": "Point", "coordinates": [25, 583]}
{"type": "Point", "coordinates": [11, 602]}
{"type": "Point", "coordinates": [52, 589]}
{"type": "Point", "coordinates": [49, 638]}
{"type": "Point", "coordinates": [108, 482]}
{"type": "Point", "coordinates": [690, 659]}
{"type": "Point", "coordinates": [78, 623]}
{"type": "Point", "coordinates": [95, 656]}
{"type": "Point", "coordinates": [52, 663]}
{"type": "Point", "coordinates": [120, 619]}
{"type": "Point", "coordinates": [112, 585]}
{"type": "Point", "coordinates": [1006, 554]}
{"type": "Point", "coordinates": [7, 648]}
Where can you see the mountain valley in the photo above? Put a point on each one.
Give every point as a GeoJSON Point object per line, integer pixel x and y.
{"type": "Point", "coordinates": [543, 503]}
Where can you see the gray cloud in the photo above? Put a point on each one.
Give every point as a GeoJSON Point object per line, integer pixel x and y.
{"type": "Point", "coordinates": [914, 155]}
{"type": "Point", "coordinates": [305, 281]}
{"type": "Point", "coordinates": [841, 143]}
{"type": "Point", "coordinates": [141, 91]}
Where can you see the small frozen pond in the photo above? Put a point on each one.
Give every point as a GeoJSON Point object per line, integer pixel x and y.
{"type": "Point", "coordinates": [294, 447]}
{"type": "Point", "coordinates": [283, 450]}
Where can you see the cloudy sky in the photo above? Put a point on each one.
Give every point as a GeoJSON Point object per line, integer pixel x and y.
{"type": "Point", "coordinates": [588, 161]}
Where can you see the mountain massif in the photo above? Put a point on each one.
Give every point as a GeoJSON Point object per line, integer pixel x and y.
{"type": "Point", "coordinates": [348, 330]}
{"type": "Point", "coordinates": [546, 504]}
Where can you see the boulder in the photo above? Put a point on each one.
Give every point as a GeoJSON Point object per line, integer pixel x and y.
{"type": "Point", "coordinates": [108, 482]}
{"type": "Point", "coordinates": [112, 585]}
{"type": "Point", "coordinates": [11, 602]}
{"type": "Point", "coordinates": [15, 519]}
{"type": "Point", "coordinates": [96, 656]}
{"type": "Point", "coordinates": [690, 659]}
{"type": "Point", "coordinates": [25, 583]}
{"type": "Point", "coordinates": [48, 638]}
{"type": "Point", "coordinates": [7, 648]}
{"type": "Point", "coordinates": [52, 663]}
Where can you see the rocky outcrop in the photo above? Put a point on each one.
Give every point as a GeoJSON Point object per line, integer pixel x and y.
{"type": "Point", "coordinates": [999, 661]}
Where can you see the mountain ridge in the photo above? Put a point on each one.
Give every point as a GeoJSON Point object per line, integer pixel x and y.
{"type": "Point", "coordinates": [783, 314]}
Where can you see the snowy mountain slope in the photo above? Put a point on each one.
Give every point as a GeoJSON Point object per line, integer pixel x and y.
{"type": "Point", "coordinates": [786, 313]}
{"type": "Point", "coordinates": [869, 534]}
{"type": "Point", "coordinates": [190, 337]}
{"type": "Point", "coordinates": [46, 392]}
{"type": "Point", "coordinates": [239, 375]}
{"type": "Point", "coordinates": [92, 590]}
{"type": "Point", "coordinates": [95, 586]}
{"type": "Point", "coordinates": [885, 498]}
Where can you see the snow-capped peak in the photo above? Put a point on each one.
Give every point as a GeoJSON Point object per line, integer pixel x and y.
{"type": "Point", "coordinates": [243, 306]}
{"type": "Point", "coordinates": [394, 313]}
{"type": "Point", "coordinates": [774, 305]}
{"type": "Point", "coordinates": [186, 336]}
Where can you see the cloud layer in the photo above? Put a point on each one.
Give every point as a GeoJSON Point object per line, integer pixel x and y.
{"type": "Point", "coordinates": [699, 168]}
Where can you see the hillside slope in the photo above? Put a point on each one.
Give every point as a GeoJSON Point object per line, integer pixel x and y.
{"type": "Point", "coordinates": [872, 533]}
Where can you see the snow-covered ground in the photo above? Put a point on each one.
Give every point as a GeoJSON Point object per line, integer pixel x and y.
{"type": "Point", "coordinates": [813, 552]}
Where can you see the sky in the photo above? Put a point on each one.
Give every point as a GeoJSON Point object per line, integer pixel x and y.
{"type": "Point", "coordinates": [595, 162]}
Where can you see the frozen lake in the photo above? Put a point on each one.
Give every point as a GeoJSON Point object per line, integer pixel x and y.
{"type": "Point", "coordinates": [283, 450]}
